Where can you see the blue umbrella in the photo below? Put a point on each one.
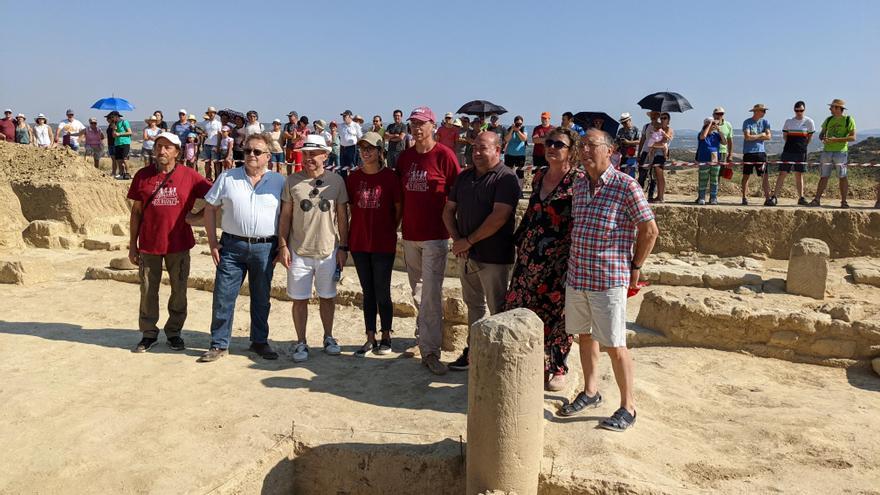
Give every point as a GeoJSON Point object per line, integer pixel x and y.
{"type": "Point", "coordinates": [113, 103]}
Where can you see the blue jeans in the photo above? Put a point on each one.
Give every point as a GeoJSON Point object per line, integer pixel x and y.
{"type": "Point", "coordinates": [237, 259]}
{"type": "Point", "coordinates": [348, 156]}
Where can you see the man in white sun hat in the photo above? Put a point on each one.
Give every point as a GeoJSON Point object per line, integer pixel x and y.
{"type": "Point", "coordinates": [313, 241]}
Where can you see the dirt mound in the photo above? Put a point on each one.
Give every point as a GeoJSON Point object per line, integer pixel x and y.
{"type": "Point", "coordinates": [55, 184]}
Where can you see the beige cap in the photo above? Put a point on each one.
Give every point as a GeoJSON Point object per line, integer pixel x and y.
{"type": "Point", "coordinates": [211, 109]}
{"type": "Point", "coordinates": [372, 138]}
{"type": "Point", "coordinates": [718, 110]}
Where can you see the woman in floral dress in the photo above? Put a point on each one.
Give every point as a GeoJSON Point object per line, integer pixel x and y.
{"type": "Point", "coordinates": [543, 240]}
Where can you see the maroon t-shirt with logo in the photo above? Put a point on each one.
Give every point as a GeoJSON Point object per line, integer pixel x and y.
{"type": "Point", "coordinates": [7, 127]}
{"type": "Point", "coordinates": [371, 198]}
{"type": "Point", "coordinates": [163, 224]}
{"type": "Point", "coordinates": [539, 132]}
{"type": "Point", "coordinates": [426, 179]}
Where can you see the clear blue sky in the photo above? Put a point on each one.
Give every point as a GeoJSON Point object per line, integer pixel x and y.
{"type": "Point", "coordinates": [320, 58]}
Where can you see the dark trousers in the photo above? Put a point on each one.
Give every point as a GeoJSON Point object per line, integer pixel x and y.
{"type": "Point", "coordinates": [150, 275]}
{"type": "Point", "coordinates": [237, 259]}
{"type": "Point", "coordinates": [374, 273]}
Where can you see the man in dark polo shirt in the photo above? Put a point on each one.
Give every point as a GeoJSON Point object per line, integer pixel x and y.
{"type": "Point", "coordinates": [479, 216]}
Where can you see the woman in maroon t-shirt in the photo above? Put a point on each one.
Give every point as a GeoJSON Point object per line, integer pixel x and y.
{"type": "Point", "coordinates": [375, 195]}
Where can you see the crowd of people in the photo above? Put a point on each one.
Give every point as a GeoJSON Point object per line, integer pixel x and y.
{"type": "Point", "coordinates": [451, 185]}
{"type": "Point", "coordinates": [572, 259]}
{"type": "Point", "coordinates": [215, 144]}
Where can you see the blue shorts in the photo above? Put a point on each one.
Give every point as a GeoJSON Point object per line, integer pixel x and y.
{"type": "Point", "coordinates": [210, 152]}
{"type": "Point", "coordinates": [277, 157]}
{"type": "Point", "coordinates": [830, 159]}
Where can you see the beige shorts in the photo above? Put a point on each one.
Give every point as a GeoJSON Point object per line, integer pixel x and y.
{"type": "Point", "coordinates": [602, 315]}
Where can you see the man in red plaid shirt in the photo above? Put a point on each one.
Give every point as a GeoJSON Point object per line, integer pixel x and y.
{"type": "Point", "coordinates": [614, 231]}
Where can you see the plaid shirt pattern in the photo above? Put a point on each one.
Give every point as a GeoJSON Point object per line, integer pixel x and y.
{"type": "Point", "coordinates": [605, 231]}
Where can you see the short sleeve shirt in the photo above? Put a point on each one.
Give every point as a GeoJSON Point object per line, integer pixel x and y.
{"type": "Point", "coordinates": [163, 227]}
{"type": "Point", "coordinates": [395, 128]}
{"type": "Point", "coordinates": [516, 146]}
{"type": "Point", "coordinates": [627, 134]}
{"type": "Point", "coordinates": [372, 199]}
{"type": "Point", "coordinates": [72, 129]}
{"type": "Point", "coordinates": [605, 230]}
{"type": "Point", "coordinates": [754, 127]}
{"type": "Point", "coordinates": [248, 211]}
{"type": "Point", "coordinates": [726, 132]}
{"type": "Point", "coordinates": [539, 132]}
{"type": "Point", "coordinates": [838, 127]}
{"type": "Point", "coordinates": [426, 179]}
{"type": "Point", "coordinates": [181, 130]}
{"type": "Point", "coordinates": [122, 126]}
{"type": "Point", "coordinates": [212, 131]}
{"type": "Point", "coordinates": [475, 198]}
{"type": "Point", "coordinates": [314, 232]}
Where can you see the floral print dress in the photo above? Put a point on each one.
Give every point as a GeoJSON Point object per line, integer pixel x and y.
{"type": "Point", "coordinates": [543, 239]}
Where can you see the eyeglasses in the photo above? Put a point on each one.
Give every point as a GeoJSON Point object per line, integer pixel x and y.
{"type": "Point", "coordinates": [253, 151]}
{"type": "Point", "coordinates": [718, 113]}
{"type": "Point", "coordinates": [798, 110]}
{"type": "Point", "coordinates": [367, 149]}
{"type": "Point", "coordinates": [557, 145]}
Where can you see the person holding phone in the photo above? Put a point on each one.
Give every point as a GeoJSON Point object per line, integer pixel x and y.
{"type": "Point", "coordinates": [313, 240]}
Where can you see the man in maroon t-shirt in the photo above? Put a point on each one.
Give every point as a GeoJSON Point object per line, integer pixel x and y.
{"type": "Point", "coordinates": [7, 127]}
{"type": "Point", "coordinates": [538, 134]}
{"type": "Point", "coordinates": [163, 195]}
{"type": "Point", "coordinates": [427, 172]}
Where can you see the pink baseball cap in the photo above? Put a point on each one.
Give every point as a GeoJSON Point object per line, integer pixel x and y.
{"type": "Point", "coordinates": [424, 114]}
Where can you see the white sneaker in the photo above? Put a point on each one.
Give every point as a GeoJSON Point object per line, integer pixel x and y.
{"type": "Point", "coordinates": [331, 347]}
{"type": "Point", "coordinates": [300, 352]}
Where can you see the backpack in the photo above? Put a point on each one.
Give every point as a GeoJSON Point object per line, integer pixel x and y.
{"type": "Point", "coordinates": [827, 120]}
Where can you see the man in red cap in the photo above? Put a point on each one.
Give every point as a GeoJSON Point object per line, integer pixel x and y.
{"type": "Point", "coordinates": [163, 194]}
{"type": "Point", "coordinates": [427, 172]}
{"type": "Point", "coordinates": [538, 134]}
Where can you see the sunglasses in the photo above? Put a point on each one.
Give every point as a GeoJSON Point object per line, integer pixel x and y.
{"type": "Point", "coordinates": [799, 110]}
{"type": "Point", "coordinates": [664, 118]}
{"type": "Point", "coordinates": [718, 113]}
{"type": "Point", "coordinates": [557, 145]}
{"type": "Point", "coordinates": [837, 106]}
{"type": "Point", "coordinates": [253, 151]}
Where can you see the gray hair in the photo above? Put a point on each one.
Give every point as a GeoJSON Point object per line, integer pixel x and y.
{"type": "Point", "coordinates": [606, 138]}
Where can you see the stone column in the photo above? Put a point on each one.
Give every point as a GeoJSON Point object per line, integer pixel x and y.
{"type": "Point", "coordinates": [808, 268]}
{"type": "Point", "coordinates": [505, 421]}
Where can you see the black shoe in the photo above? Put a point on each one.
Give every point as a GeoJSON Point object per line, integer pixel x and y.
{"type": "Point", "coordinates": [367, 347]}
{"type": "Point", "coordinates": [384, 347]}
{"type": "Point", "coordinates": [264, 351]}
{"type": "Point", "coordinates": [768, 202]}
{"type": "Point", "coordinates": [745, 202]}
{"type": "Point", "coordinates": [462, 363]}
{"type": "Point", "coordinates": [775, 200]}
{"type": "Point", "coordinates": [803, 202]}
{"type": "Point", "coordinates": [144, 345]}
{"type": "Point", "coordinates": [176, 343]}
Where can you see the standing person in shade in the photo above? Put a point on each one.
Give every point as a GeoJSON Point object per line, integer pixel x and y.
{"type": "Point", "coordinates": [121, 143]}
{"type": "Point", "coordinates": [797, 133]}
{"type": "Point", "coordinates": [69, 131]}
{"type": "Point", "coordinates": [288, 140]}
{"type": "Point", "coordinates": [538, 134]}
{"type": "Point", "coordinates": [708, 143]}
{"type": "Point", "coordinates": [427, 172]}
{"type": "Point", "coordinates": [181, 128]}
{"type": "Point", "coordinates": [23, 132]}
{"type": "Point", "coordinates": [210, 149]}
{"type": "Point", "coordinates": [568, 123]}
{"type": "Point", "coordinates": [111, 138]}
{"type": "Point", "coordinates": [756, 130]}
{"type": "Point", "coordinates": [238, 135]}
{"type": "Point", "coordinates": [614, 232]}
{"type": "Point", "coordinates": [479, 216]}
{"type": "Point", "coordinates": [95, 141]}
{"type": "Point", "coordinates": [395, 136]}
{"type": "Point", "coordinates": [313, 241]}
{"type": "Point", "coordinates": [349, 134]}
{"type": "Point", "coordinates": [543, 239]}
{"type": "Point", "coordinates": [43, 132]}
{"type": "Point", "coordinates": [250, 197]}
{"type": "Point", "coordinates": [375, 203]}
{"type": "Point", "coordinates": [7, 127]}
{"type": "Point", "coordinates": [516, 141]}
{"type": "Point", "coordinates": [447, 134]}
{"type": "Point", "coordinates": [163, 194]}
{"type": "Point", "coordinates": [275, 149]}
{"type": "Point", "coordinates": [628, 144]}
{"type": "Point", "coordinates": [838, 131]}
{"type": "Point", "coordinates": [151, 132]}
{"type": "Point", "coordinates": [462, 142]}
{"type": "Point", "coordinates": [160, 120]}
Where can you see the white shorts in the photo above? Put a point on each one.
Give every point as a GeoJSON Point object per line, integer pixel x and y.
{"type": "Point", "coordinates": [600, 314]}
{"type": "Point", "coordinates": [303, 271]}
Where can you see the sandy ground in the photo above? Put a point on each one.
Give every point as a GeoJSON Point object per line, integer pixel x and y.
{"type": "Point", "coordinates": [82, 414]}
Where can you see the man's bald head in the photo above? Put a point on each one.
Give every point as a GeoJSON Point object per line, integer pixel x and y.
{"type": "Point", "coordinates": [486, 150]}
{"type": "Point", "coordinates": [490, 138]}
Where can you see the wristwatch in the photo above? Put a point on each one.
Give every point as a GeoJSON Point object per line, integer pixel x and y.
{"type": "Point", "coordinates": [343, 248]}
{"type": "Point", "coordinates": [634, 266]}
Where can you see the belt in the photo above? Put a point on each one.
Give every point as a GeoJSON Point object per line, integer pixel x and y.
{"type": "Point", "coordinates": [252, 240]}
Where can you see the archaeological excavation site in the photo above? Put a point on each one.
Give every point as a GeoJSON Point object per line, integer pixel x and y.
{"type": "Point", "coordinates": [756, 346]}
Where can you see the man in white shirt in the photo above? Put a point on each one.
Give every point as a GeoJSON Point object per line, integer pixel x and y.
{"type": "Point", "coordinates": [69, 131]}
{"type": "Point", "coordinates": [797, 133]}
{"type": "Point", "coordinates": [349, 134]}
{"type": "Point", "coordinates": [210, 148]}
{"type": "Point", "coordinates": [250, 197]}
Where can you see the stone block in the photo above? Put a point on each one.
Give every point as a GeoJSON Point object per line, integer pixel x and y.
{"type": "Point", "coordinates": [454, 337]}
{"type": "Point", "coordinates": [875, 363]}
{"type": "Point", "coordinates": [808, 268]}
{"type": "Point", "coordinates": [25, 272]}
{"type": "Point", "coordinates": [47, 234]}
{"type": "Point", "coordinates": [122, 263]}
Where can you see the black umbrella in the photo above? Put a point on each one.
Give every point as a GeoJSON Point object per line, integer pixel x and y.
{"type": "Point", "coordinates": [481, 108]}
{"type": "Point", "coordinates": [665, 102]}
{"type": "Point", "coordinates": [231, 114]}
{"type": "Point", "coordinates": [585, 120]}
